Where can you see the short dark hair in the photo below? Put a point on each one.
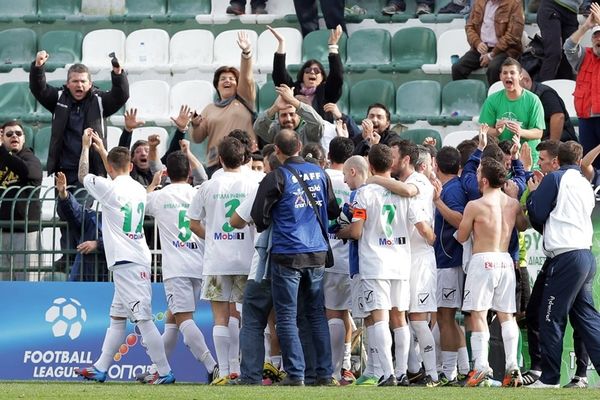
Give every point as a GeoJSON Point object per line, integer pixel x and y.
{"type": "Point", "coordinates": [232, 152]}
{"type": "Point", "coordinates": [287, 141]}
{"type": "Point", "coordinates": [256, 156]}
{"type": "Point", "coordinates": [380, 158]}
{"type": "Point", "coordinates": [506, 146]}
{"type": "Point", "coordinates": [314, 151]}
{"type": "Point", "coordinates": [493, 151]}
{"type": "Point", "coordinates": [466, 148]}
{"type": "Point", "coordinates": [79, 69]}
{"type": "Point", "coordinates": [510, 62]}
{"type": "Point", "coordinates": [243, 137]}
{"type": "Point", "coordinates": [273, 161]}
{"type": "Point", "coordinates": [268, 150]}
{"type": "Point", "coordinates": [406, 148]}
{"type": "Point", "coordinates": [137, 144]}
{"type": "Point", "coordinates": [300, 74]}
{"type": "Point", "coordinates": [340, 149]}
{"type": "Point", "coordinates": [382, 106]}
{"type": "Point", "coordinates": [493, 171]}
{"type": "Point", "coordinates": [13, 122]}
{"type": "Point", "coordinates": [119, 158]}
{"type": "Point", "coordinates": [222, 70]}
{"type": "Point", "coordinates": [448, 160]}
{"type": "Point", "coordinates": [549, 146]}
{"type": "Point", "coordinates": [178, 166]}
{"type": "Point", "coordinates": [569, 153]}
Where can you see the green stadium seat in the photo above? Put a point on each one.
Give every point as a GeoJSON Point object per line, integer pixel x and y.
{"type": "Point", "coordinates": [140, 10]}
{"type": "Point", "coordinates": [266, 96]}
{"type": "Point", "coordinates": [461, 101]}
{"type": "Point", "coordinates": [369, 91]}
{"type": "Point", "coordinates": [182, 10]}
{"type": "Point", "coordinates": [16, 102]}
{"type": "Point", "coordinates": [41, 144]}
{"type": "Point", "coordinates": [64, 47]}
{"type": "Point", "coordinates": [314, 46]}
{"type": "Point", "coordinates": [52, 10]}
{"type": "Point", "coordinates": [18, 47]}
{"type": "Point", "coordinates": [418, 100]}
{"type": "Point", "coordinates": [14, 10]}
{"type": "Point", "coordinates": [344, 100]}
{"type": "Point", "coordinates": [411, 48]}
{"type": "Point", "coordinates": [417, 136]}
{"type": "Point", "coordinates": [368, 49]}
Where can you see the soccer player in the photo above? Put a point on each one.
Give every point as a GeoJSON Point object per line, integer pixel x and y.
{"type": "Point", "coordinates": [381, 223]}
{"type": "Point", "coordinates": [123, 203]}
{"type": "Point", "coordinates": [491, 279]}
{"type": "Point", "coordinates": [182, 255]}
{"type": "Point", "coordinates": [228, 251]}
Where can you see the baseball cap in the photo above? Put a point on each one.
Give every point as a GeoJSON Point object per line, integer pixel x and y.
{"type": "Point", "coordinates": [595, 29]}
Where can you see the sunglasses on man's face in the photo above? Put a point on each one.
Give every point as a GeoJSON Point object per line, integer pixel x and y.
{"type": "Point", "coordinates": [9, 134]}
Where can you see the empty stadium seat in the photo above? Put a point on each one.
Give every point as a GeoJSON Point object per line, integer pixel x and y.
{"type": "Point", "coordinates": [14, 10]}
{"type": "Point", "coordinates": [314, 46]}
{"type": "Point", "coordinates": [266, 96]}
{"type": "Point", "coordinates": [182, 10]}
{"type": "Point", "coordinates": [139, 10]}
{"type": "Point", "coordinates": [418, 100]}
{"type": "Point", "coordinates": [143, 132]}
{"type": "Point", "coordinates": [196, 94]}
{"type": "Point", "coordinates": [455, 138]}
{"type": "Point", "coordinates": [52, 10]}
{"type": "Point", "coordinates": [113, 134]}
{"type": "Point", "coordinates": [496, 87]}
{"type": "Point", "coordinates": [151, 98]}
{"type": "Point", "coordinates": [98, 44]}
{"type": "Point", "coordinates": [565, 89]}
{"type": "Point", "coordinates": [190, 49]}
{"type": "Point", "coordinates": [63, 47]}
{"type": "Point", "coordinates": [18, 48]}
{"type": "Point", "coordinates": [344, 100]}
{"type": "Point", "coordinates": [450, 43]}
{"type": "Point", "coordinates": [417, 136]}
{"type": "Point", "coordinates": [369, 91]}
{"type": "Point", "coordinates": [16, 102]}
{"type": "Point", "coordinates": [367, 49]}
{"type": "Point", "coordinates": [461, 101]}
{"type": "Point", "coordinates": [41, 144]}
{"type": "Point", "coordinates": [226, 50]}
{"type": "Point", "coordinates": [411, 48]}
{"type": "Point", "coordinates": [267, 45]}
{"type": "Point", "coordinates": [146, 49]}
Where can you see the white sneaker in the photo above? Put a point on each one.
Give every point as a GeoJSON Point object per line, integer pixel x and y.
{"type": "Point", "coordinates": [541, 385]}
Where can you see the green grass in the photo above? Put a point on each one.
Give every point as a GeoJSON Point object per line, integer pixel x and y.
{"type": "Point", "coordinates": [113, 390]}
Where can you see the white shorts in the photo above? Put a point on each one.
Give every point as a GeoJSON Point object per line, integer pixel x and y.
{"type": "Point", "coordinates": [382, 294]}
{"type": "Point", "coordinates": [336, 288]}
{"type": "Point", "coordinates": [356, 296]}
{"type": "Point", "coordinates": [423, 284]}
{"type": "Point", "coordinates": [133, 293]}
{"type": "Point", "coordinates": [183, 293]}
{"type": "Point", "coordinates": [450, 283]}
{"type": "Point", "coordinates": [229, 288]}
{"type": "Point", "coordinates": [490, 283]}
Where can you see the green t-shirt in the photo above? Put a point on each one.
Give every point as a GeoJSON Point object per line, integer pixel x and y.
{"type": "Point", "coordinates": [527, 109]}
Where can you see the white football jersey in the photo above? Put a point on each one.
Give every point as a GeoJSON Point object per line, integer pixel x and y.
{"type": "Point", "coordinates": [424, 200]}
{"type": "Point", "coordinates": [123, 203]}
{"type": "Point", "coordinates": [340, 250]}
{"type": "Point", "coordinates": [228, 251]}
{"type": "Point", "coordinates": [182, 250]}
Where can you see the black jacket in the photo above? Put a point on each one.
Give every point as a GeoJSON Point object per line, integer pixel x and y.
{"type": "Point", "coordinates": [97, 105]}
{"type": "Point", "coordinates": [18, 170]}
{"type": "Point", "coordinates": [361, 147]}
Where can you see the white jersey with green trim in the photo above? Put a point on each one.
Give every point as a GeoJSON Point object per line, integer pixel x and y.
{"type": "Point", "coordinates": [340, 250]}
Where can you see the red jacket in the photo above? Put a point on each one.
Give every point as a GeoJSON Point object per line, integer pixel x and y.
{"type": "Point", "coordinates": [587, 86]}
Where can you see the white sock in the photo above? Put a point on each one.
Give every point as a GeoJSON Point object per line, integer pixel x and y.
{"type": "Point", "coordinates": [194, 340]}
{"type": "Point", "coordinates": [267, 343]}
{"type": "Point", "coordinates": [382, 344]}
{"type": "Point", "coordinates": [154, 346]}
{"type": "Point", "coordinates": [435, 331]}
{"type": "Point", "coordinates": [402, 343]}
{"type": "Point", "coordinates": [337, 333]}
{"type": "Point", "coordinates": [427, 347]}
{"type": "Point", "coordinates": [347, 361]}
{"type": "Point", "coordinates": [480, 348]}
{"type": "Point", "coordinates": [115, 335]}
{"type": "Point", "coordinates": [221, 341]}
{"type": "Point", "coordinates": [463, 361]}
{"type": "Point", "coordinates": [510, 338]}
{"type": "Point", "coordinates": [449, 364]}
{"type": "Point", "coordinates": [234, 345]}
{"type": "Point", "coordinates": [414, 359]}
{"type": "Point", "coordinates": [169, 338]}
{"type": "Point", "coordinates": [370, 367]}
{"type": "Point", "coordinates": [276, 361]}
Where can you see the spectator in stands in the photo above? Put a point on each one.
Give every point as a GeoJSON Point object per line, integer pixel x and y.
{"type": "Point", "coordinates": [557, 20]}
{"type": "Point", "coordinates": [558, 122]}
{"type": "Point", "coordinates": [234, 109]}
{"type": "Point", "coordinates": [312, 81]}
{"type": "Point", "coordinates": [375, 129]}
{"type": "Point", "coordinates": [399, 6]}
{"type": "Point", "coordinates": [19, 168]}
{"type": "Point", "coordinates": [456, 7]}
{"type": "Point", "coordinates": [74, 107]}
{"type": "Point", "coordinates": [90, 262]}
{"type": "Point", "coordinates": [343, 125]}
{"type": "Point", "coordinates": [494, 32]}
{"type": "Point", "coordinates": [513, 110]}
{"type": "Point", "coordinates": [238, 7]}
{"type": "Point", "coordinates": [308, 16]}
{"type": "Point", "coordinates": [291, 114]}
{"type": "Point", "coordinates": [586, 61]}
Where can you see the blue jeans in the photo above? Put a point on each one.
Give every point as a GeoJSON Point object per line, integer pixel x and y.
{"type": "Point", "coordinates": [286, 284]}
{"type": "Point", "coordinates": [257, 305]}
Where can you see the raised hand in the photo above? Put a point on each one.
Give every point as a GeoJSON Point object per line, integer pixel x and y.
{"type": "Point", "coordinates": [182, 120]}
{"type": "Point", "coordinates": [333, 109]}
{"type": "Point", "coordinates": [86, 138]}
{"type": "Point", "coordinates": [153, 140]}
{"type": "Point", "coordinates": [40, 58]}
{"type": "Point", "coordinates": [61, 184]}
{"type": "Point", "coordinates": [243, 41]}
{"type": "Point", "coordinates": [335, 35]}
{"type": "Point", "coordinates": [131, 121]}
